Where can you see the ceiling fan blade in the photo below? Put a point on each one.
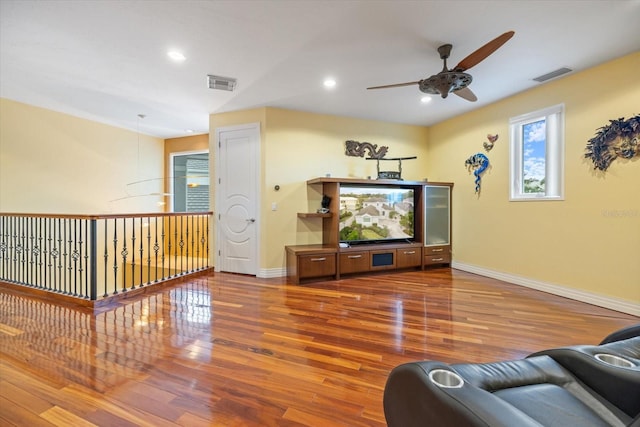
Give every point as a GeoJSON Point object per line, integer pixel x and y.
{"type": "Point", "coordinates": [395, 85]}
{"type": "Point", "coordinates": [466, 93]}
{"type": "Point", "coordinates": [486, 50]}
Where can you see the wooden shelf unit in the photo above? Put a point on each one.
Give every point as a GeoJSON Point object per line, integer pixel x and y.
{"type": "Point", "coordinates": [329, 260]}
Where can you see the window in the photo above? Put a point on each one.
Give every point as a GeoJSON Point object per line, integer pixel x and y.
{"type": "Point", "coordinates": [537, 155]}
{"type": "Point", "coordinates": [190, 182]}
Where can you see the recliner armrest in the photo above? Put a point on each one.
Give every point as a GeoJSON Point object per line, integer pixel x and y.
{"type": "Point", "coordinates": [619, 385]}
{"type": "Point", "coordinates": [531, 392]}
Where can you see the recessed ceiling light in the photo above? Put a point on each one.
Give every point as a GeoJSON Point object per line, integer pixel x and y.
{"type": "Point", "coordinates": [329, 83]}
{"type": "Point", "coordinates": [188, 130]}
{"type": "Point", "coordinates": [425, 99]}
{"type": "Point", "coordinates": [176, 56]}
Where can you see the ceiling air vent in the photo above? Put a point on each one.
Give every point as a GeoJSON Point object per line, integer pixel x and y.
{"type": "Point", "coordinates": [221, 83]}
{"type": "Point", "coordinates": [553, 74]}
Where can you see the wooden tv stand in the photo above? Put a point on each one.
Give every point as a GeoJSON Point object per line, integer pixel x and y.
{"type": "Point", "coordinates": [318, 261]}
{"type": "Point", "coordinates": [330, 261]}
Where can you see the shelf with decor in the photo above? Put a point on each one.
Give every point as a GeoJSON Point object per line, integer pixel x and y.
{"type": "Point", "coordinates": [314, 215]}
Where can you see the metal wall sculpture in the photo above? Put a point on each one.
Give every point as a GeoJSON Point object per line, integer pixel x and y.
{"type": "Point", "coordinates": [478, 163]}
{"type": "Point", "coordinates": [618, 139]}
{"type": "Point", "coordinates": [488, 146]}
{"type": "Point", "coordinates": [357, 149]}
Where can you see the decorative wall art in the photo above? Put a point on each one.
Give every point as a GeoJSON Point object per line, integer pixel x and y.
{"type": "Point", "coordinates": [488, 146]}
{"type": "Point", "coordinates": [620, 138]}
{"type": "Point", "coordinates": [357, 149]}
{"type": "Point", "coordinates": [478, 163]}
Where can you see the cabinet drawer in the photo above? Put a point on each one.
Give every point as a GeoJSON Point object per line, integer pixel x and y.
{"type": "Point", "coordinates": [430, 259]}
{"type": "Point", "coordinates": [353, 262]}
{"type": "Point", "coordinates": [317, 265]}
{"type": "Point", "coordinates": [410, 257]}
{"type": "Point", "coordinates": [437, 250]}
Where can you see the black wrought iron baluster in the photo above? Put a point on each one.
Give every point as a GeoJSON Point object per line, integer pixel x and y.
{"type": "Point", "coordinates": [181, 244]}
{"type": "Point", "coordinates": [67, 259]}
{"type": "Point", "coordinates": [82, 240]}
{"type": "Point", "coordinates": [187, 244]}
{"type": "Point", "coordinates": [49, 272]}
{"type": "Point", "coordinates": [192, 244]}
{"type": "Point", "coordinates": [92, 262]}
{"type": "Point", "coordinates": [3, 248]}
{"type": "Point", "coordinates": [198, 221]}
{"type": "Point", "coordinates": [106, 256]}
{"type": "Point", "coordinates": [148, 250]}
{"type": "Point", "coordinates": [35, 252]}
{"type": "Point", "coordinates": [115, 256]}
{"type": "Point", "coordinates": [11, 252]}
{"type": "Point", "coordinates": [164, 222]}
{"type": "Point", "coordinates": [133, 253]}
{"type": "Point", "coordinates": [21, 249]}
{"type": "Point", "coordinates": [28, 253]}
{"type": "Point", "coordinates": [16, 249]}
{"type": "Point", "coordinates": [73, 243]}
{"type": "Point", "coordinates": [59, 258]}
{"type": "Point", "coordinates": [41, 280]}
{"type": "Point", "coordinates": [141, 250]}
{"type": "Point", "coordinates": [124, 254]}
{"type": "Point", "coordinates": [84, 266]}
{"type": "Point", "coordinates": [175, 252]}
{"type": "Point", "coordinates": [169, 253]}
{"type": "Point", "coordinates": [206, 233]}
{"type": "Point", "coordinates": [156, 248]}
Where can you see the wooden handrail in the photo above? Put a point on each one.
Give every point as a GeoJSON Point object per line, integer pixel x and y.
{"type": "Point", "coordinates": [103, 216]}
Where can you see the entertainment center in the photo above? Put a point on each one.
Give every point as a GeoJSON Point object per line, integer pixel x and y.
{"type": "Point", "coordinates": [375, 225]}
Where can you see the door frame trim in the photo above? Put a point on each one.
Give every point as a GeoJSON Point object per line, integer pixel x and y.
{"type": "Point", "coordinates": [255, 126]}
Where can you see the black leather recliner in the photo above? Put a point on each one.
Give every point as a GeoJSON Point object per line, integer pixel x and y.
{"type": "Point", "coordinates": [572, 386]}
{"type": "Point", "coordinates": [612, 370]}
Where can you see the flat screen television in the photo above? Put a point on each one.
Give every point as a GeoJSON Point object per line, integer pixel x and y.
{"type": "Point", "coordinates": [376, 214]}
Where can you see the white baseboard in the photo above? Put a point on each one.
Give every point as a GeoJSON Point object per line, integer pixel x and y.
{"type": "Point", "coordinates": [269, 273]}
{"type": "Point", "coordinates": [575, 294]}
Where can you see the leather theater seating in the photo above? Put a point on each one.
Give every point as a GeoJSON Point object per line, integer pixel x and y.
{"type": "Point", "coordinates": [571, 386]}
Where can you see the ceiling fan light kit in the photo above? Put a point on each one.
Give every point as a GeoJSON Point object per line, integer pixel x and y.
{"type": "Point", "coordinates": [455, 80]}
{"type": "Point", "coordinates": [444, 83]}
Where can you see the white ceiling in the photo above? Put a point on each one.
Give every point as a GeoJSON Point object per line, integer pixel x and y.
{"type": "Point", "coordinates": [107, 60]}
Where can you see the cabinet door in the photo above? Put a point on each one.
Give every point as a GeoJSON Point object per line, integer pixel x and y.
{"type": "Point", "coordinates": [437, 215]}
{"type": "Point", "coordinates": [317, 265]}
{"type": "Point", "coordinates": [354, 262]}
{"type": "Point", "coordinates": [437, 255]}
{"type": "Point", "coordinates": [409, 257]}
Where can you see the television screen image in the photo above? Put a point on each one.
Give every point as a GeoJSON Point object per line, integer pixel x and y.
{"type": "Point", "coordinates": [376, 213]}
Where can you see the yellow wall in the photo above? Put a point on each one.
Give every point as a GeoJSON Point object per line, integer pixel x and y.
{"type": "Point", "coordinates": [55, 163]}
{"type": "Point", "coordinates": [590, 241]}
{"type": "Point", "coordinates": [297, 146]}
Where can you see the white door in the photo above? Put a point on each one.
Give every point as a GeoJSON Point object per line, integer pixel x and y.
{"type": "Point", "coordinates": [237, 198]}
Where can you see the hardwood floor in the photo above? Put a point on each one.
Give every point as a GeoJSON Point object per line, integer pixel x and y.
{"type": "Point", "coordinates": [229, 350]}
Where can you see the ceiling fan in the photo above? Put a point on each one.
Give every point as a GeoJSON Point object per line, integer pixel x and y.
{"type": "Point", "coordinates": [455, 80]}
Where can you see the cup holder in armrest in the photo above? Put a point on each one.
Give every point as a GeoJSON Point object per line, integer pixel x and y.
{"type": "Point", "coordinates": [446, 379]}
{"type": "Point", "coordinates": [614, 360]}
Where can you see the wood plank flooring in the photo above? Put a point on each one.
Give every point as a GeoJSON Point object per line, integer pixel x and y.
{"type": "Point", "coordinates": [230, 350]}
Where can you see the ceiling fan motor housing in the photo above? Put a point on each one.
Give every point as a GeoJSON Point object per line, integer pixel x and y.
{"type": "Point", "coordinates": [445, 82]}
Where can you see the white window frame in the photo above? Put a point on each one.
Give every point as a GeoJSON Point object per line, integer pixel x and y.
{"type": "Point", "coordinates": [554, 160]}
{"type": "Point", "coordinates": [172, 156]}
